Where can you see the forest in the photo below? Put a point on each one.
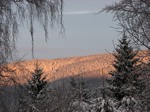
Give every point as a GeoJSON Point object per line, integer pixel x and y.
{"type": "Point", "coordinates": [124, 89]}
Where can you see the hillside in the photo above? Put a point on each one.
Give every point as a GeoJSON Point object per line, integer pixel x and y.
{"type": "Point", "coordinates": [86, 66]}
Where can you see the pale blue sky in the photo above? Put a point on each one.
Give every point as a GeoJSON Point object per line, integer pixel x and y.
{"type": "Point", "coordinates": [86, 33]}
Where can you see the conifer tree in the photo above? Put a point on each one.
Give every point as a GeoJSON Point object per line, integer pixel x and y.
{"type": "Point", "coordinates": [124, 77]}
{"type": "Point", "coordinates": [36, 89]}
{"type": "Point", "coordinates": [79, 89]}
{"type": "Point", "coordinates": [79, 94]}
{"type": "Point", "coordinates": [73, 84]}
{"type": "Point", "coordinates": [37, 83]}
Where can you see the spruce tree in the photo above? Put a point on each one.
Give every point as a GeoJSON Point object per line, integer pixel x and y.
{"type": "Point", "coordinates": [36, 89]}
{"type": "Point", "coordinates": [78, 94]}
{"type": "Point", "coordinates": [79, 89]}
{"type": "Point", "coordinates": [37, 83]}
{"type": "Point", "coordinates": [124, 79]}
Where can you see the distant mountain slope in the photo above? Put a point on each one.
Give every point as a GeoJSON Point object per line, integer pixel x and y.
{"type": "Point", "coordinates": [87, 66]}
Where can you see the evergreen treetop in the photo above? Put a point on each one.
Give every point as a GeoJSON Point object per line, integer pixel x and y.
{"type": "Point", "coordinates": [124, 76]}
{"type": "Point", "coordinates": [124, 56]}
{"type": "Point", "coordinates": [37, 83]}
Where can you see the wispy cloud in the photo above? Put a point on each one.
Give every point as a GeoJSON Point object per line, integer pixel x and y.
{"type": "Point", "coordinates": [80, 12]}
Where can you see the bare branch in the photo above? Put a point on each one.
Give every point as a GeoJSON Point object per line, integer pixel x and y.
{"type": "Point", "coordinates": [134, 18]}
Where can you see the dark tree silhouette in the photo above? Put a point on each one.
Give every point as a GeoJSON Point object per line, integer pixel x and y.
{"type": "Point", "coordinates": [36, 89]}
{"type": "Point", "coordinates": [125, 70]}
{"type": "Point", "coordinates": [78, 89]}
{"type": "Point", "coordinates": [37, 83]}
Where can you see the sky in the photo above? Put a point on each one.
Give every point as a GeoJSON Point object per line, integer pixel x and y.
{"type": "Point", "coordinates": [86, 33]}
